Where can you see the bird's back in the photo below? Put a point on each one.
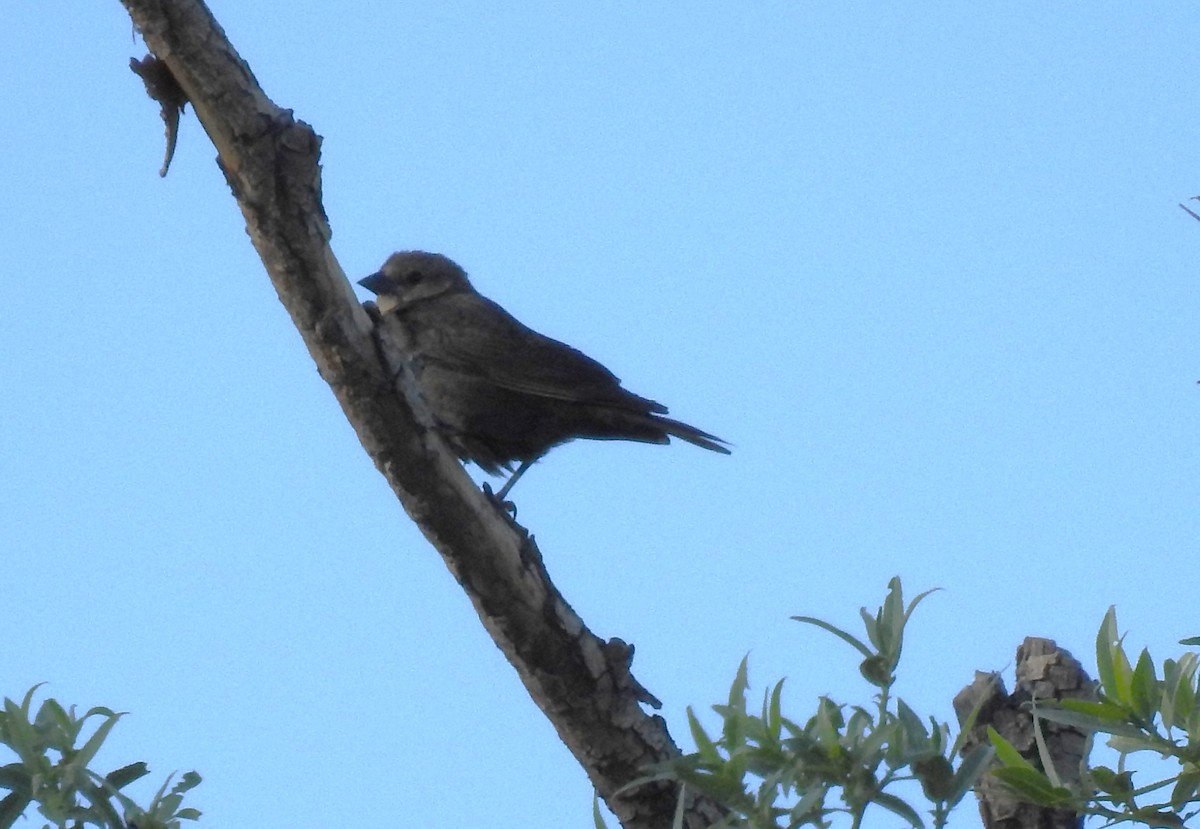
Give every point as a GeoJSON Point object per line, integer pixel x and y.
{"type": "Point", "coordinates": [471, 335]}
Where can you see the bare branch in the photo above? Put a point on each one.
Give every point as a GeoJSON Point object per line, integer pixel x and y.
{"type": "Point", "coordinates": [270, 161]}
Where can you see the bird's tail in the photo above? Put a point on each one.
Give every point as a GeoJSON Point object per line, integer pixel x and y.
{"type": "Point", "coordinates": [692, 435]}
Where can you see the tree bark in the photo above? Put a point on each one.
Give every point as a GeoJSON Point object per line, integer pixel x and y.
{"type": "Point", "coordinates": [1044, 671]}
{"type": "Point", "coordinates": [581, 683]}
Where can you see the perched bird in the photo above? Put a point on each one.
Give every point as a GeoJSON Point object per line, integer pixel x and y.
{"type": "Point", "coordinates": [499, 392]}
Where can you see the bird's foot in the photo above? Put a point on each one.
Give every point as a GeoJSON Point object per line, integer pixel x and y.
{"type": "Point", "coordinates": [507, 507]}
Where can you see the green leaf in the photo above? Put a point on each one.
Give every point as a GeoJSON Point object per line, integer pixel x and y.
{"type": "Point", "coordinates": [1007, 754]}
{"type": "Point", "coordinates": [1151, 816]}
{"type": "Point", "coordinates": [1186, 786]}
{"type": "Point", "coordinates": [1191, 641]}
{"type": "Point", "coordinates": [772, 713]}
{"type": "Point", "coordinates": [1090, 723]}
{"type": "Point", "coordinates": [102, 806]}
{"type": "Point", "coordinates": [27, 701]}
{"type": "Point", "coordinates": [811, 805]}
{"type": "Point", "coordinates": [705, 747]}
{"type": "Point", "coordinates": [898, 807]}
{"type": "Point", "coordinates": [871, 623]}
{"type": "Point", "coordinates": [877, 670]}
{"type": "Point", "coordinates": [1143, 689]}
{"type": "Point", "coordinates": [89, 749]}
{"type": "Point", "coordinates": [857, 725]}
{"type": "Point", "coordinates": [15, 777]}
{"type": "Point", "coordinates": [188, 781]}
{"type": "Point", "coordinates": [597, 817]}
{"type": "Point", "coordinates": [838, 632]}
{"type": "Point", "coordinates": [936, 776]}
{"type": "Point", "coordinates": [1102, 710]}
{"type": "Point", "coordinates": [12, 807]}
{"type": "Point", "coordinates": [1106, 637]}
{"type": "Point", "coordinates": [1033, 786]}
{"type": "Point", "coordinates": [657, 772]}
{"type": "Point", "coordinates": [891, 621]}
{"type": "Point", "coordinates": [166, 807]}
{"type": "Point", "coordinates": [122, 777]}
{"type": "Point", "coordinates": [21, 737]}
{"type": "Point", "coordinates": [1179, 690]}
{"type": "Point", "coordinates": [732, 731]}
{"type": "Point", "coordinates": [870, 750]}
{"type": "Point", "coordinates": [677, 820]}
{"type": "Point", "coordinates": [828, 722]}
{"type": "Point", "coordinates": [1044, 755]}
{"type": "Point", "coordinates": [1119, 787]}
{"type": "Point", "coordinates": [1112, 663]}
{"type": "Point", "coordinates": [972, 768]}
{"type": "Point", "coordinates": [913, 604]}
{"type": "Point", "coordinates": [718, 786]}
{"type": "Point", "coordinates": [914, 727]}
{"type": "Point", "coordinates": [965, 733]}
{"type": "Point", "coordinates": [741, 681]}
{"type": "Point", "coordinates": [1140, 742]}
{"type": "Point", "coordinates": [58, 728]}
{"type": "Point", "coordinates": [939, 736]}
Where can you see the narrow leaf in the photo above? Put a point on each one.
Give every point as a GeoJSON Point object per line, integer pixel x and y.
{"type": "Point", "coordinates": [1143, 689]}
{"type": "Point", "coordinates": [1106, 637]}
{"type": "Point", "coordinates": [89, 749]}
{"type": "Point", "coordinates": [1033, 786]}
{"type": "Point", "coordinates": [705, 747]}
{"type": "Point", "coordinates": [12, 807]}
{"type": "Point", "coordinates": [969, 772]}
{"type": "Point", "coordinates": [898, 807]}
{"type": "Point", "coordinates": [597, 818]}
{"type": "Point", "coordinates": [122, 777]}
{"type": "Point", "coordinates": [838, 632]}
{"type": "Point", "coordinates": [1185, 789]}
{"type": "Point", "coordinates": [1007, 754]}
{"type": "Point", "coordinates": [1089, 722]}
{"type": "Point", "coordinates": [1039, 739]}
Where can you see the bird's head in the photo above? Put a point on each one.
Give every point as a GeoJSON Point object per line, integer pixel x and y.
{"type": "Point", "coordinates": [412, 275]}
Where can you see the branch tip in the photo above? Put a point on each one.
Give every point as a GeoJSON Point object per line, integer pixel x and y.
{"type": "Point", "coordinates": [161, 86]}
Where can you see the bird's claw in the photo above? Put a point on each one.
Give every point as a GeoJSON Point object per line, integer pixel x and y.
{"type": "Point", "coordinates": [507, 506]}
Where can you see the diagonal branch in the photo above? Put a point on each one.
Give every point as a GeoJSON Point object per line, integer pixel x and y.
{"type": "Point", "coordinates": [269, 159]}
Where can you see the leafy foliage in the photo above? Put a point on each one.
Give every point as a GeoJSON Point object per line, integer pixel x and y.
{"type": "Point", "coordinates": [52, 772]}
{"type": "Point", "coordinates": [772, 772]}
{"type": "Point", "coordinates": [1143, 709]}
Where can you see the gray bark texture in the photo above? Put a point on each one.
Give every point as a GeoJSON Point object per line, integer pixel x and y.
{"type": "Point", "coordinates": [1044, 672]}
{"type": "Point", "coordinates": [270, 161]}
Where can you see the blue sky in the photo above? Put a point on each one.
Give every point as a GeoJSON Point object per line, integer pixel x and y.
{"type": "Point", "coordinates": [922, 265]}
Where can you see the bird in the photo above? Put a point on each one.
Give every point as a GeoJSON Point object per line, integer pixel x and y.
{"type": "Point", "coordinates": [500, 393]}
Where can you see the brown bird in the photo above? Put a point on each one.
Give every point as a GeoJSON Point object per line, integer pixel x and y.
{"type": "Point", "coordinates": [501, 393]}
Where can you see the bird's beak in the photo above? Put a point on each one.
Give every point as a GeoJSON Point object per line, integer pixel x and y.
{"type": "Point", "coordinates": [376, 283]}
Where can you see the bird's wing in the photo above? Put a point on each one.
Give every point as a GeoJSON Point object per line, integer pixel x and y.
{"type": "Point", "coordinates": [476, 336]}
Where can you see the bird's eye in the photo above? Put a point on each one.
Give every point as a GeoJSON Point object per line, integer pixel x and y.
{"type": "Point", "coordinates": [411, 278]}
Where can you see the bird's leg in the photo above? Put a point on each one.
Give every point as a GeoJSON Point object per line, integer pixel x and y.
{"type": "Point", "coordinates": [512, 480]}
{"type": "Point", "coordinates": [508, 506]}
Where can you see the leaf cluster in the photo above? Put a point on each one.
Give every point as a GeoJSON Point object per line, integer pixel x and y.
{"type": "Point", "coordinates": [52, 771]}
{"type": "Point", "coordinates": [771, 772]}
{"type": "Point", "coordinates": [1143, 709]}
